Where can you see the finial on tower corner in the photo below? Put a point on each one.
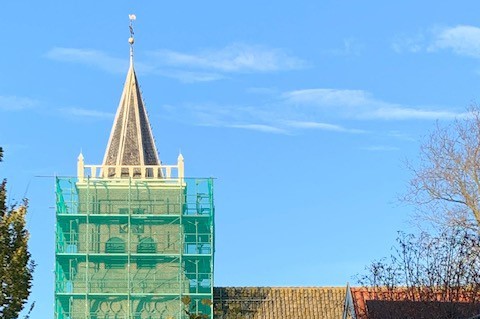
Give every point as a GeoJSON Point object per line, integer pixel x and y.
{"type": "Point", "coordinates": [181, 166]}
{"type": "Point", "coordinates": [80, 167]}
{"type": "Point", "coordinates": [131, 40]}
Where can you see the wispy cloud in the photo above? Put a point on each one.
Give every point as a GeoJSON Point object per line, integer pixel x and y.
{"type": "Point", "coordinates": [16, 103]}
{"type": "Point", "coordinates": [232, 116]}
{"type": "Point", "coordinates": [322, 126]}
{"type": "Point", "coordinates": [350, 46]}
{"type": "Point", "coordinates": [328, 97]}
{"type": "Point", "coordinates": [95, 58]}
{"type": "Point", "coordinates": [400, 136]}
{"type": "Point", "coordinates": [228, 116]}
{"type": "Point", "coordinates": [191, 77]}
{"type": "Point", "coordinates": [321, 109]}
{"type": "Point", "coordinates": [393, 112]}
{"type": "Point", "coordinates": [81, 112]}
{"type": "Point", "coordinates": [268, 118]}
{"type": "Point", "coordinates": [261, 128]}
{"type": "Point", "coordinates": [461, 39]}
{"type": "Point", "coordinates": [359, 104]}
{"type": "Point", "coordinates": [232, 58]}
{"type": "Point", "coordinates": [203, 66]}
{"type": "Point", "coordinates": [409, 43]}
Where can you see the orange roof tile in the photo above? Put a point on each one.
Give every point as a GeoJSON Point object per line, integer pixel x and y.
{"type": "Point", "coordinates": [366, 301]}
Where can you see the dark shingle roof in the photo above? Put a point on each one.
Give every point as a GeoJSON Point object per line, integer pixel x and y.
{"type": "Point", "coordinates": [275, 303]}
{"type": "Point", "coordinates": [383, 309]}
{"type": "Point", "coordinates": [131, 140]}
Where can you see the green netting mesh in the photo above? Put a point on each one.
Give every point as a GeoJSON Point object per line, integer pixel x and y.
{"type": "Point", "coordinates": [128, 248]}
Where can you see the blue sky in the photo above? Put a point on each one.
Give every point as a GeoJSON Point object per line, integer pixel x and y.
{"type": "Point", "coordinates": [303, 111]}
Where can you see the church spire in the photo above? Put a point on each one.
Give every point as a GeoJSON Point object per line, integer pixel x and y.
{"type": "Point", "coordinates": [131, 141]}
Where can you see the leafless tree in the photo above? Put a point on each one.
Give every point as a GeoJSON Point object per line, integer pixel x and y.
{"type": "Point", "coordinates": [443, 269]}
{"type": "Point", "coordinates": [446, 182]}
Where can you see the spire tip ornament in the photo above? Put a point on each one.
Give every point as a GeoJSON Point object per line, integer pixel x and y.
{"type": "Point", "coordinates": [131, 40]}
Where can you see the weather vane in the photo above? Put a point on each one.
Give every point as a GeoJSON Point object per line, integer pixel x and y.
{"type": "Point", "coordinates": [132, 18]}
{"type": "Point", "coordinates": [131, 40]}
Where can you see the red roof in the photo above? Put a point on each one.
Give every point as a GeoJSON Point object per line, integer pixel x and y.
{"type": "Point", "coordinates": [370, 303]}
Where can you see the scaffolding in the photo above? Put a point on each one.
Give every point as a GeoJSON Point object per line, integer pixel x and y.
{"type": "Point", "coordinates": [133, 248]}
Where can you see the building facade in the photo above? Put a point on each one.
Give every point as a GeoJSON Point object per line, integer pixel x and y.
{"type": "Point", "coordinates": [134, 237]}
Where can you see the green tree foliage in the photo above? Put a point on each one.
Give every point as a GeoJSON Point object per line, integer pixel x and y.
{"type": "Point", "coordinates": [16, 268]}
{"type": "Point", "coordinates": [190, 308]}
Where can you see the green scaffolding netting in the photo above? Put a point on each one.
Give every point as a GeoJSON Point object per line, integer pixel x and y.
{"type": "Point", "coordinates": [131, 248]}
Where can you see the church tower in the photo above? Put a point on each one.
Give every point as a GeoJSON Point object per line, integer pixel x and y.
{"type": "Point", "coordinates": [134, 237]}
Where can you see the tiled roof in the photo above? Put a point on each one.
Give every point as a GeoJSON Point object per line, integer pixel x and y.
{"type": "Point", "coordinates": [382, 303]}
{"type": "Point", "coordinates": [278, 303]}
{"type": "Point", "coordinates": [383, 309]}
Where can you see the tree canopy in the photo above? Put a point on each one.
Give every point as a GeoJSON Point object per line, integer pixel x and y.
{"type": "Point", "coordinates": [16, 268]}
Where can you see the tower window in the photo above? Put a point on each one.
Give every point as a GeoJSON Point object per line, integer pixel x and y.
{"type": "Point", "coordinates": [147, 246]}
{"type": "Point", "coordinates": [115, 245]}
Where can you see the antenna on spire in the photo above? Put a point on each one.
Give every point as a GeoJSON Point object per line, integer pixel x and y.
{"type": "Point", "coordinates": [131, 40]}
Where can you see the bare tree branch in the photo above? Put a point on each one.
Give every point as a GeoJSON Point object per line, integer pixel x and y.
{"type": "Point", "coordinates": [445, 187]}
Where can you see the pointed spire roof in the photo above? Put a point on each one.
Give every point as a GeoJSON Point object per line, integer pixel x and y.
{"type": "Point", "coordinates": [131, 140]}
